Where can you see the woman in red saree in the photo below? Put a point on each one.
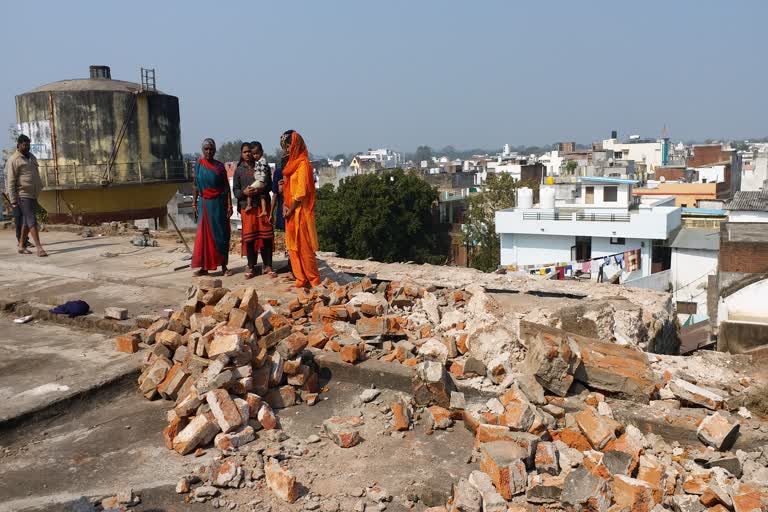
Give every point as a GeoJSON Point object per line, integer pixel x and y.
{"type": "Point", "coordinates": [299, 211]}
{"type": "Point", "coordinates": [258, 235]}
{"type": "Point", "coordinates": [215, 209]}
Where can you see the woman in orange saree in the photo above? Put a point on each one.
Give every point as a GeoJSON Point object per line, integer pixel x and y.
{"type": "Point", "coordinates": [299, 211]}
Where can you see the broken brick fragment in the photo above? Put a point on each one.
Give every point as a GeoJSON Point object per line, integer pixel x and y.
{"type": "Point", "coordinates": [281, 481]}
{"type": "Point", "coordinates": [594, 427]}
{"type": "Point", "coordinates": [224, 410]}
{"type": "Point", "coordinates": [438, 418]}
{"type": "Point", "coordinates": [501, 461]}
{"type": "Point", "coordinates": [401, 416]}
{"type": "Point", "coordinates": [350, 353]}
{"type": "Point", "coordinates": [128, 344]}
{"type": "Point", "coordinates": [200, 431]}
{"type": "Point", "coordinates": [633, 493]}
{"type": "Point", "coordinates": [343, 431]}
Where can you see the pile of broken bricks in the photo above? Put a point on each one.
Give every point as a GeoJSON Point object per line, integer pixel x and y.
{"type": "Point", "coordinates": [535, 453]}
{"type": "Point", "coordinates": [228, 362]}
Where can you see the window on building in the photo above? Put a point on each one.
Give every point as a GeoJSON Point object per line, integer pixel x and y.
{"type": "Point", "coordinates": [610, 194]}
{"type": "Point", "coordinates": [618, 241]}
{"type": "Point", "coordinates": [686, 308]}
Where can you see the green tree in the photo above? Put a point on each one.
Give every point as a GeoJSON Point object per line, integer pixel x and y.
{"type": "Point", "coordinates": [571, 166]}
{"type": "Point", "coordinates": [386, 216]}
{"type": "Point", "coordinates": [480, 227]}
{"type": "Point", "coordinates": [229, 151]}
{"type": "Point", "coordinates": [422, 153]}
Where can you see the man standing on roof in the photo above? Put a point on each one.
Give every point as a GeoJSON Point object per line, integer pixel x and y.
{"type": "Point", "coordinates": [24, 186]}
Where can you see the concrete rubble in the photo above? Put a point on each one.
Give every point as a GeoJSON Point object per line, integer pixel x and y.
{"type": "Point", "coordinates": [551, 432]}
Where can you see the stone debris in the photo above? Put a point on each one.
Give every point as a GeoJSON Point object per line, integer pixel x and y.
{"type": "Point", "coordinates": [116, 313]}
{"type": "Point", "coordinates": [343, 431]}
{"type": "Point", "coordinates": [717, 431]}
{"type": "Point", "coordinates": [551, 436]}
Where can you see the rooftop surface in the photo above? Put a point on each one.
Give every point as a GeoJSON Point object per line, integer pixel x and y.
{"type": "Point", "coordinates": [690, 238]}
{"type": "Point", "coordinates": [606, 179]}
{"type": "Point", "coordinates": [749, 201]}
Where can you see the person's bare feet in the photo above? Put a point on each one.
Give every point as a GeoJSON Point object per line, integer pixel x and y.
{"type": "Point", "coordinates": [41, 253]}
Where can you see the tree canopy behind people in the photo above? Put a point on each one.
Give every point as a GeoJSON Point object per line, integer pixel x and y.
{"type": "Point", "coordinates": [480, 227]}
{"type": "Point", "coordinates": [386, 216]}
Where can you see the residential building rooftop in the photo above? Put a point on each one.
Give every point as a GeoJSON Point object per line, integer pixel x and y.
{"type": "Point", "coordinates": [692, 238]}
{"type": "Point", "coordinates": [749, 200]}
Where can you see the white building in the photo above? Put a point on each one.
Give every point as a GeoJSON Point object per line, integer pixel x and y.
{"type": "Point", "coordinates": [387, 158]}
{"type": "Point", "coordinates": [694, 258]}
{"type": "Point", "coordinates": [650, 153]}
{"type": "Point", "coordinates": [748, 206]}
{"type": "Point", "coordinates": [600, 219]}
{"type": "Point", "coordinates": [552, 162]}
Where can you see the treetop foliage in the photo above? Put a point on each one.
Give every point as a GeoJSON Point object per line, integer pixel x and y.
{"type": "Point", "coordinates": [385, 216]}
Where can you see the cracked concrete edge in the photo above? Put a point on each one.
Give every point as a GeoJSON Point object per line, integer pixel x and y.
{"type": "Point", "coordinates": [91, 322]}
{"type": "Point", "coordinates": [126, 373]}
{"type": "Point", "coordinates": [679, 425]}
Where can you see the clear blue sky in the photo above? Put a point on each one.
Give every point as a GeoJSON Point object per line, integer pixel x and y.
{"type": "Point", "coordinates": [356, 74]}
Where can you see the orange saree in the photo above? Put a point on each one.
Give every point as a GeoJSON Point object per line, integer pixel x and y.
{"type": "Point", "coordinates": [300, 232]}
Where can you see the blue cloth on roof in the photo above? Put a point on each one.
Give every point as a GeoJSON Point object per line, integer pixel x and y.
{"type": "Point", "coordinates": [72, 308]}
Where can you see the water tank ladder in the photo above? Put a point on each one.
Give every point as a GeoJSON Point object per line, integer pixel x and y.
{"type": "Point", "coordinates": [148, 80]}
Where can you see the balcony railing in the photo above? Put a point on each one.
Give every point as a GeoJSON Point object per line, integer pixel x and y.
{"type": "Point", "coordinates": [577, 216]}
{"type": "Point", "coordinates": [547, 216]}
{"type": "Point", "coordinates": [85, 175]}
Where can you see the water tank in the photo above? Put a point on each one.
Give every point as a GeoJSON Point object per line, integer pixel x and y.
{"type": "Point", "coordinates": [107, 149]}
{"type": "Point", "coordinates": [547, 198]}
{"type": "Point", "coordinates": [524, 197]}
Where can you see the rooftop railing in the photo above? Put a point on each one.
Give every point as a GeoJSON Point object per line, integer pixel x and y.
{"type": "Point", "coordinates": [576, 216]}
{"type": "Point", "coordinates": [120, 173]}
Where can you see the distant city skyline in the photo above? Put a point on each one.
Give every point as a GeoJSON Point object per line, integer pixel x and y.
{"type": "Point", "coordinates": [357, 75]}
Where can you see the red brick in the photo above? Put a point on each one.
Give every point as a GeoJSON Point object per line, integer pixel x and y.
{"type": "Point", "coordinates": [373, 326]}
{"type": "Point", "coordinates": [281, 481]}
{"type": "Point", "coordinates": [199, 431]}
{"type": "Point", "coordinates": [350, 353]}
{"type": "Point", "coordinates": [748, 499]}
{"type": "Point", "coordinates": [127, 344]}
{"type": "Point", "coordinates": [267, 418]}
{"type": "Point", "coordinates": [632, 493]}
{"type": "Point", "coordinates": [401, 417]}
{"type": "Point", "coordinates": [317, 339]}
{"type": "Point", "coordinates": [224, 410]}
{"type": "Point", "coordinates": [502, 462]}
{"type": "Point", "coordinates": [343, 431]}
{"type": "Point", "coordinates": [594, 428]}
{"type": "Point", "coordinates": [172, 430]}
{"type": "Point", "coordinates": [461, 344]}
{"type": "Point", "coordinates": [572, 438]}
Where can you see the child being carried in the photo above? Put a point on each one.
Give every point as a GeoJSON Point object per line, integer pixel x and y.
{"type": "Point", "coordinates": [259, 179]}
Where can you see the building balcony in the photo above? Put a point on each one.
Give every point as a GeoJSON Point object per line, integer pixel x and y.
{"type": "Point", "coordinates": [644, 223]}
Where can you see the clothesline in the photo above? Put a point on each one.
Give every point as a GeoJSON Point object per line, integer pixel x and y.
{"type": "Point", "coordinates": [627, 261]}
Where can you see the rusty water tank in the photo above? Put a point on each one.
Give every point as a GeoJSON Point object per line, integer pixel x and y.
{"type": "Point", "coordinates": [108, 149]}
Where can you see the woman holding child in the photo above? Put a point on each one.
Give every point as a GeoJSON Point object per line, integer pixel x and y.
{"type": "Point", "coordinates": [251, 184]}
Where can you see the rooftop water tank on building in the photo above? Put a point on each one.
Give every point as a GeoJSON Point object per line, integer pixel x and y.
{"type": "Point", "coordinates": [547, 198]}
{"type": "Point", "coordinates": [107, 149]}
{"type": "Point", "coordinates": [524, 197]}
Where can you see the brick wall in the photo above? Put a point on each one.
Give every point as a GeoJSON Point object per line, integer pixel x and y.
{"type": "Point", "coordinates": [749, 257]}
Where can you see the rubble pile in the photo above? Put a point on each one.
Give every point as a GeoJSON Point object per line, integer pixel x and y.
{"type": "Point", "coordinates": [538, 448]}
{"type": "Point", "coordinates": [228, 363]}
{"type": "Point", "coordinates": [548, 439]}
